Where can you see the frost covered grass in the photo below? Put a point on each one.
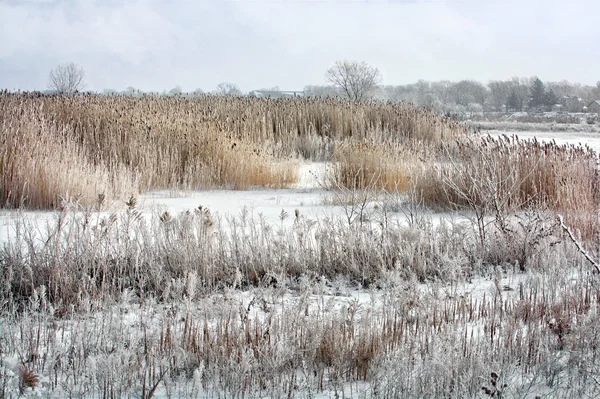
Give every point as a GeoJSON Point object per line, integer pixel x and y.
{"type": "Point", "coordinates": [86, 257]}
{"type": "Point", "coordinates": [179, 306]}
{"type": "Point", "coordinates": [518, 334]}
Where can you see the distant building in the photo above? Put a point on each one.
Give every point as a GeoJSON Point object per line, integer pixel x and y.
{"type": "Point", "coordinates": [558, 108]}
{"type": "Point", "coordinates": [594, 107]}
{"type": "Point", "coordinates": [276, 93]}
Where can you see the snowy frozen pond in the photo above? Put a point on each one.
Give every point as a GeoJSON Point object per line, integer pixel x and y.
{"type": "Point", "coordinates": [578, 138]}
{"type": "Point", "coordinates": [277, 207]}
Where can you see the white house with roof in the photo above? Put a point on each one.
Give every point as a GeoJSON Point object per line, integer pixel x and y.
{"type": "Point", "coordinates": [594, 107]}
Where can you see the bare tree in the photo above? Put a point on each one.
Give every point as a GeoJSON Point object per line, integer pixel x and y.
{"type": "Point", "coordinates": [131, 91]}
{"type": "Point", "coordinates": [66, 78]}
{"type": "Point", "coordinates": [422, 92]}
{"type": "Point", "coordinates": [594, 92]}
{"type": "Point", "coordinates": [228, 89]}
{"type": "Point", "coordinates": [468, 91]}
{"type": "Point", "coordinates": [499, 93]}
{"type": "Point", "coordinates": [355, 79]}
{"type": "Point", "coordinates": [480, 93]}
{"type": "Point", "coordinates": [175, 91]}
{"type": "Point", "coordinates": [520, 90]}
{"type": "Point", "coordinates": [442, 90]}
{"type": "Point", "coordinates": [197, 93]}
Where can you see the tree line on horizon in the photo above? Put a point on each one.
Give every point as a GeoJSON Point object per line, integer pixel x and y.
{"type": "Point", "coordinates": [359, 81]}
{"type": "Point", "coordinates": [512, 95]}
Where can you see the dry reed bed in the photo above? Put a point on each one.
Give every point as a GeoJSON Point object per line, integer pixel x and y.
{"type": "Point", "coordinates": [38, 162]}
{"type": "Point", "coordinates": [494, 176]}
{"type": "Point", "coordinates": [506, 175]}
{"type": "Point", "coordinates": [125, 145]}
{"type": "Point", "coordinates": [117, 146]}
{"type": "Point", "coordinates": [528, 171]}
{"type": "Point", "coordinates": [375, 166]}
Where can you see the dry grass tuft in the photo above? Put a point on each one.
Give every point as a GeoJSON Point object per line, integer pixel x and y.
{"type": "Point", "coordinates": [27, 379]}
{"type": "Point", "coordinates": [368, 165]}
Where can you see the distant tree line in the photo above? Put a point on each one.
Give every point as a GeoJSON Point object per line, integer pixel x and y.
{"type": "Point", "coordinates": [513, 95]}
{"type": "Point", "coordinates": [359, 81]}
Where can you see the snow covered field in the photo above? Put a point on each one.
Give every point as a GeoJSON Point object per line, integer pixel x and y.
{"type": "Point", "coordinates": [315, 336]}
{"type": "Point", "coordinates": [516, 126]}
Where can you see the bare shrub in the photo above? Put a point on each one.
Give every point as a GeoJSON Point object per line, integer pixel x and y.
{"type": "Point", "coordinates": [521, 236]}
{"type": "Point", "coordinates": [496, 177]}
{"type": "Point", "coordinates": [356, 79]}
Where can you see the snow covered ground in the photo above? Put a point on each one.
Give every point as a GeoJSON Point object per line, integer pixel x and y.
{"type": "Point", "coordinates": [277, 206]}
{"type": "Point", "coordinates": [308, 196]}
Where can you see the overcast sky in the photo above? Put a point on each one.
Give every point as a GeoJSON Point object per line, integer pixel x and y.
{"type": "Point", "coordinates": [158, 44]}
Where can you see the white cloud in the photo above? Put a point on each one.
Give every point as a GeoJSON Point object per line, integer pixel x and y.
{"type": "Point", "coordinates": [158, 44]}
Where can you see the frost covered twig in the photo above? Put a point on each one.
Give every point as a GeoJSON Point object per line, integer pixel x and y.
{"type": "Point", "coordinates": [578, 244]}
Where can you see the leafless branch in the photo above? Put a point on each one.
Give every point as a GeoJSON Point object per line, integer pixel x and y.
{"type": "Point", "coordinates": [67, 79]}
{"type": "Point", "coordinates": [355, 79]}
{"type": "Point", "coordinates": [228, 89]}
{"type": "Point", "coordinates": [578, 244]}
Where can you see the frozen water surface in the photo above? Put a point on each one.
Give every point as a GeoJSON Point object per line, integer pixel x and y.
{"type": "Point", "coordinates": [580, 138]}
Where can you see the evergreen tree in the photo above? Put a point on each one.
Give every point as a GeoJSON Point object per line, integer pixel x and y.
{"type": "Point", "coordinates": [512, 102]}
{"type": "Point", "coordinates": [550, 99]}
{"type": "Point", "coordinates": [537, 95]}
